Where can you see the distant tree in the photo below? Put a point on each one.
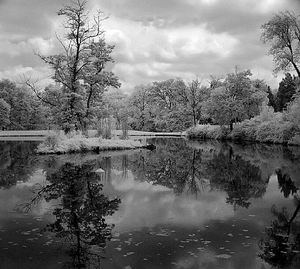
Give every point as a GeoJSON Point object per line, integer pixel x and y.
{"type": "Point", "coordinates": [117, 106]}
{"type": "Point", "coordinates": [26, 111]}
{"type": "Point", "coordinates": [80, 68]}
{"type": "Point", "coordinates": [286, 91]}
{"type": "Point", "coordinates": [272, 98]}
{"type": "Point", "coordinates": [141, 110]}
{"type": "Point", "coordinates": [237, 99]}
{"type": "Point", "coordinates": [4, 114]}
{"type": "Point", "coordinates": [193, 97]}
{"type": "Point", "coordinates": [282, 32]}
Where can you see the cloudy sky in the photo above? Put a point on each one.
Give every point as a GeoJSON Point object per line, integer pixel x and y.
{"type": "Point", "coordinates": [155, 39]}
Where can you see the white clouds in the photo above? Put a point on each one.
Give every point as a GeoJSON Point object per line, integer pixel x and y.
{"type": "Point", "coordinates": [154, 41]}
{"type": "Point", "coordinates": [147, 205]}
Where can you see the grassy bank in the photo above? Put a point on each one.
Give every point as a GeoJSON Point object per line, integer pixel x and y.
{"type": "Point", "coordinates": [61, 144]}
{"type": "Point", "coordinates": [265, 128]}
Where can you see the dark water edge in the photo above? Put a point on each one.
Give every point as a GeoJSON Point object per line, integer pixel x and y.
{"type": "Point", "coordinates": [187, 204]}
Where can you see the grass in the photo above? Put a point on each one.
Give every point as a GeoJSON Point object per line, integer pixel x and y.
{"type": "Point", "coordinates": [75, 143]}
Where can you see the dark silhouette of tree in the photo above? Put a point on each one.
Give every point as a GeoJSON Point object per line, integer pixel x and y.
{"type": "Point", "coordinates": [286, 91]}
{"type": "Point", "coordinates": [239, 178]}
{"type": "Point", "coordinates": [286, 185]}
{"type": "Point", "coordinates": [272, 99]}
{"type": "Point", "coordinates": [80, 217]}
{"type": "Point", "coordinates": [281, 245]}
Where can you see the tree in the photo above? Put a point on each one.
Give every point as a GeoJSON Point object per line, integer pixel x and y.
{"type": "Point", "coordinates": [193, 97]}
{"type": "Point", "coordinates": [117, 106]}
{"type": "Point", "coordinates": [272, 98]}
{"type": "Point", "coordinates": [4, 114]}
{"type": "Point", "coordinates": [26, 111]}
{"type": "Point", "coordinates": [286, 91]}
{"type": "Point", "coordinates": [80, 68]}
{"type": "Point", "coordinates": [237, 99]}
{"type": "Point", "coordinates": [282, 32]}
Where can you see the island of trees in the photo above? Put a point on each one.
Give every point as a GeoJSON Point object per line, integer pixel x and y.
{"type": "Point", "coordinates": [85, 95]}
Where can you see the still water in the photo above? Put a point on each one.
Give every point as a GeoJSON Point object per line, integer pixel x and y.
{"type": "Point", "coordinates": [186, 204]}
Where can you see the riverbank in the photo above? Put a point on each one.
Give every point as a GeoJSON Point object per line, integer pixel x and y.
{"type": "Point", "coordinates": [91, 133]}
{"type": "Point", "coordinates": [248, 131]}
{"type": "Point", "coordinates": [60, 144]}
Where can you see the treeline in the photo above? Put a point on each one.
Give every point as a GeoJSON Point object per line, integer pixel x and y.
{"type": "Point", "coordinates": [20, 109]}
{"type": "Point", "coordinates": [174, 105]}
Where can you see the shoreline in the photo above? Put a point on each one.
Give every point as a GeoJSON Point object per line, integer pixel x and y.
{"type": "Point", "coordinates": [80, 144]}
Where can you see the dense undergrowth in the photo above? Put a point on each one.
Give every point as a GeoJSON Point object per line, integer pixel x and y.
{"type": "Point", "coordinates": [268, 127]}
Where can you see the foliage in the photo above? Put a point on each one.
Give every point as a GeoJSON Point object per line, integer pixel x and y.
{"type": "Point", "coordinates": [4, 113]}
{"type": "Point", "coordinates": [80, 68]}
{"type": "Point", "coordinates": [268, 127]}
{"type": "Point", "coordinates": [286, 91]}
{"type": "Point", "coordinates": [237, 99]}
{"type": "Point", "coordinates": [26, 111]}
{"type": "Point", "coordinates": [282, 32]}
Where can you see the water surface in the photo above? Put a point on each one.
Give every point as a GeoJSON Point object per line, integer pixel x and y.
{"type": "Point", "coordinates": [187, 204]}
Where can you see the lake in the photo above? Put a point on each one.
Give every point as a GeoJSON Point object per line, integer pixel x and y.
{"type": "Point", "coordinates": [186, 204]}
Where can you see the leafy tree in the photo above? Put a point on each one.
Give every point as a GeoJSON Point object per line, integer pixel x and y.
{"type": "Point", "coordinates": [4, 114]}
{"type": "Point", "coordinates": [237, 99]}
{"type": "Point", "coordinates": [286, 91]}
{"type": "Point", "coordinates": [26, 111]}
{"type": "Point", "coordinates": [282, 32]}
{"type": "Point", "coordinates": [117, 106]}
{"type": "Point", "coordinates": [193, 97]}
{"type": "Point", "coordinates": [80, 68]}
{"type": "Point", "coordinates": [142, 111]}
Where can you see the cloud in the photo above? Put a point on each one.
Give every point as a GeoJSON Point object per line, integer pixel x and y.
{"type": "Point", "coordinates": [147, 205]}
{"type": "Point", "coordinates": [154, 40]}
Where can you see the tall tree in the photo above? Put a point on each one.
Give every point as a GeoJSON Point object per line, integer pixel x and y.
{"type": "Point", "coordinates": [80, 68]}
{"type": "Point", "coordinates": [282, 32]}
{"type": "Point", "coordinates": [286, 91]}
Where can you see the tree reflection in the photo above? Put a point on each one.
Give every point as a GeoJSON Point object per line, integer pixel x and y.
{"type": "Point", "coordinates": [286, 185]}
{"type": "Point", "coordinates": [281, 245]}
{"type": "Point", "coordinates": [80, 216]}
{"type": "Point", "coordinates": [173, 165]}
{"type": "Point", "coordinates": [239, 178]}
{"type": "Point", "coordinates": [16, 162]}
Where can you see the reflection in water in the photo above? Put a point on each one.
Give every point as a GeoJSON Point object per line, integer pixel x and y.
{"type": "Point", "coordinates": [286, 184]}
{"type": "Point", "coordinates": [172, 165]}
{"type": "Point", "coordinates": [185, 205]}
{"type": "Point", "coordinates": [239, 178]}
{"type": "Point", "coordinates": [80, 216]}
{"type": "Point", "coordinates": [281, 245]}
{"type": "Point", "coordinates": [16, 162]}
{"type": "Point", "coordinates": [186, 169]}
